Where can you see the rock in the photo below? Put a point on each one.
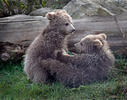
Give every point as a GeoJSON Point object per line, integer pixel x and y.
{"type": "Point", "coordinates": [114, 6]}
{"type": "Point", "coordinates": [10, 51]}
{"type": "Point", "coordinates": [40, 12]}
{"type": "Point", "coordinates": [57, 4]}
{"type": "Point", "coordinates": [82, 8]}
{"type": "Point", "coordinates": [5, 56]}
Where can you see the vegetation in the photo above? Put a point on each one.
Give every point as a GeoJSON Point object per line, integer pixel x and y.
{"type": "Point", "coordinates": [13, 7]}
{"type": "Point", "coordinates": [15, 85]}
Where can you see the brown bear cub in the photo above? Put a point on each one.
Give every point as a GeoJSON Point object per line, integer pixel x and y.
{"type": "Point", "coordinates": [46, 44]}
{"type": "Point", "coordinates": [94, 63]}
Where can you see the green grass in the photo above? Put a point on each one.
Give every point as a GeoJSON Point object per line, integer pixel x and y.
{"type": "Point", "coordinates": [14, 85]}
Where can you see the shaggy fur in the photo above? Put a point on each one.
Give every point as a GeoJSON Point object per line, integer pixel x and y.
{"type": "Point", "coordinates": [94, 63]}
{"type": "Point", "coordinates": [46, 44]}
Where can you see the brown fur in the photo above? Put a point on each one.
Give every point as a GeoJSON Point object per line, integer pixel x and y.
{"type": "Point", "coordinates": [45, 45]}
{"type": "Point", "coordinates": [94, 63]}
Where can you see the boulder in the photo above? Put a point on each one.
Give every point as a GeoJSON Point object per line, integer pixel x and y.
{"type": "Point", "coordinates": [57, 4]}
{"type": "Point", "coordinates": [115, 6]}
{"type": "Point", "coordinates": [81, 8]}
{"type": "Point", "coordinates": [40, 12]}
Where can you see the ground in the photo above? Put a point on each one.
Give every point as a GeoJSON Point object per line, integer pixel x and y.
{"type": "Point", "coordinates": [15, 85]}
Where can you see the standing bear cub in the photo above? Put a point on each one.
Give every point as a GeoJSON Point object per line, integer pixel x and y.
{"type": "Point", "coordinates": [93, 64]}
{"type": "Point", "coordinates": [46, 44]}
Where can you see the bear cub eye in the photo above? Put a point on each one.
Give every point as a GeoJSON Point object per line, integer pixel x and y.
{"type": "Point", "coordinates": [66, 24]}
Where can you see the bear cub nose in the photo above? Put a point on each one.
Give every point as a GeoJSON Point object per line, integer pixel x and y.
{"type": "Point", "coordinates": [73, 30]}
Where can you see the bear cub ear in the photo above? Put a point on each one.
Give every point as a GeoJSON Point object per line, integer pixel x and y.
{"type": "Point", "coordinates": [63, 11]}
{"type": "Point", "coordinates": [98, 43]}
{"type": "Point", "coordinates": [103, 35]}
{"type": "Point", "coordinates": [50, 15]}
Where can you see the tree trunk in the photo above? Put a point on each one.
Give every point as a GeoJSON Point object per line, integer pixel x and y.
{"type": "Point", "coordinates": [17, 32]}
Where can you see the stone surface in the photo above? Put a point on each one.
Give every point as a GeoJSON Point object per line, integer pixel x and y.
{"type": "Point", "coordinates": [40, 12]}
{"type": "Point", "coordinates": [82, 8]}
{"type": "Point", "coordinates": [115, 6]}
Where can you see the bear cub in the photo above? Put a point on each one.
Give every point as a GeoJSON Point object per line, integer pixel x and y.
{"type": "Point", "coordinates": [46, 44]}
{"type": "Point", "coordinates": [93, 64]}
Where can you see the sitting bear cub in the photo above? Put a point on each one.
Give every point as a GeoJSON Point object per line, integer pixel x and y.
{"type": "Point", "coordinates": [94, 63]}
{"type": "Point", "coordinates": [46, 44]}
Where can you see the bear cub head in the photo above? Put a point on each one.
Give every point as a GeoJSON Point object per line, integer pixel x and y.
{"type": "Point", "coordinates": [92, 43]}
{"type": "Point", "coordinates": [61, 21]}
